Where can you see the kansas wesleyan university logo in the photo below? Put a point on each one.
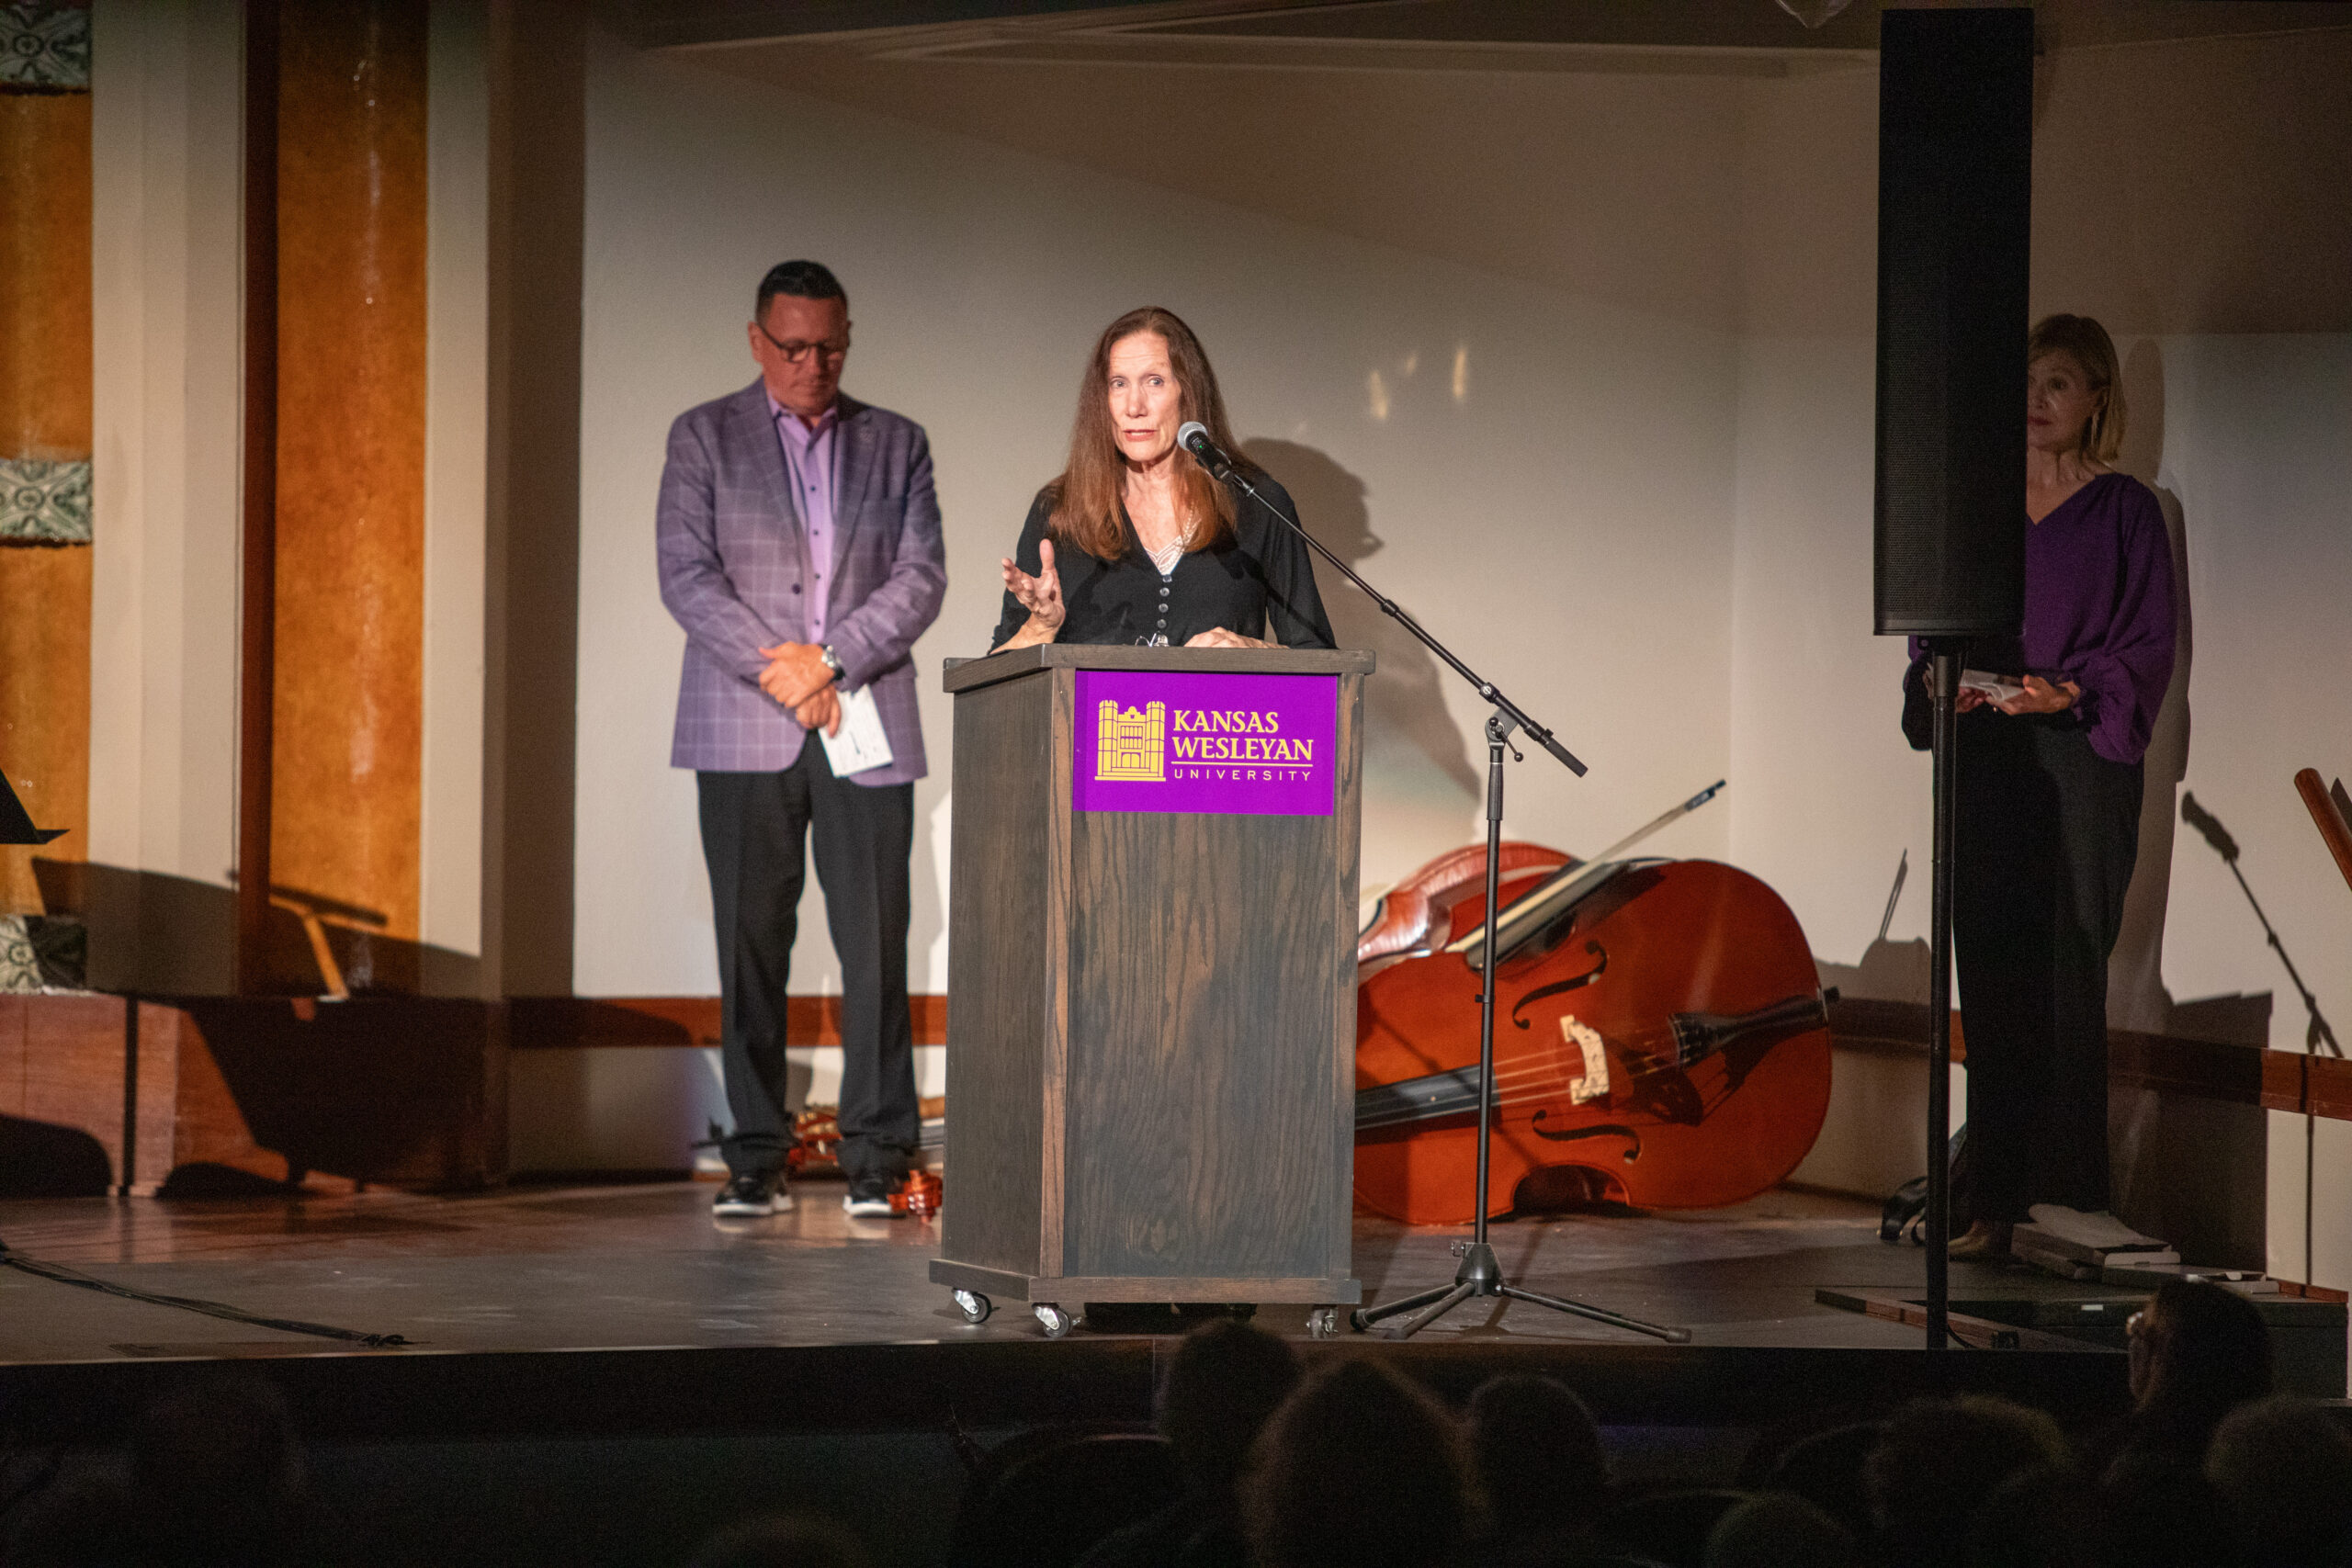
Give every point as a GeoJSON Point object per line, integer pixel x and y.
{"type": "Point", "coordinates": [1166, 742]}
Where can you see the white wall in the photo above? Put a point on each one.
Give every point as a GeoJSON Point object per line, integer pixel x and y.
{"type": "Point", "coordinates": [2249, 423]}
{"type": "Point", "coordinates": [456, 459]}
{"type": "Point", "coordinates": [1563, 520]}
{"type": "Point", "coordinates": [165, 164]}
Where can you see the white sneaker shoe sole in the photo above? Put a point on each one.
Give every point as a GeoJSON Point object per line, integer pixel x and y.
{"type": "Point", "coordinates": [866, 1208]}
{"type": "Point", "coordinates": [780, 1204]}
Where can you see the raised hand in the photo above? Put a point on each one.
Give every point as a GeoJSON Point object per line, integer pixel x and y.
{"type": "Point", "coordinates": [1040, 595]}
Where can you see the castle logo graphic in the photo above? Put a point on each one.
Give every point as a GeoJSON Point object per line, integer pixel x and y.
{"type": "Point", "coordinates": [1131, 746]}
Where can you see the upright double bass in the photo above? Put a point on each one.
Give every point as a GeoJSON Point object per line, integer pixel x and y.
{"type": "Point", "coordinates": [1661, 1037]}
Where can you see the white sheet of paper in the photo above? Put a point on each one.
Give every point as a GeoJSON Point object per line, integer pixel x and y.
{"type": "Point", "coordinates": [1996, 688]}
{"type": "Point", "coordinates": [860, 743]}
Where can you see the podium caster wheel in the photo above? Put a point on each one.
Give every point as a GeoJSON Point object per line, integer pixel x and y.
{"type": "Point", "coordinates": [1053, 1320]}
{"type": "Point", "coordinates": [1323, 1323]}
{"type": "Point", "coordinates": [975, 1306]}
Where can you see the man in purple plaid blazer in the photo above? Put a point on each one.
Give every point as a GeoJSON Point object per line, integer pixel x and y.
{"type": "Point", "coordinates": [799, 546]}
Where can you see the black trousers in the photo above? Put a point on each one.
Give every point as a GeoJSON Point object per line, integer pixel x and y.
{"type": "Point", "coordinates": [753, 828]}
{"type": "Point", "coordinates": [2048, 831]}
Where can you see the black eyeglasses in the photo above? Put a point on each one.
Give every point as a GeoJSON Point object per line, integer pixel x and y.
{"type": "Point", "coordinates": [795, 350]}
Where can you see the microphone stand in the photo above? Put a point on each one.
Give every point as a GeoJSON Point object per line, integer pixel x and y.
{"type": "Point", "coordinates": [1480, 1274]}
{"type": "Point", "coordinates": [2317, 1035]}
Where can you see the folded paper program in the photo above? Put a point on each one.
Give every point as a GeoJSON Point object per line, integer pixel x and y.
{"type": "Point", "coordinates": [1996, 688]}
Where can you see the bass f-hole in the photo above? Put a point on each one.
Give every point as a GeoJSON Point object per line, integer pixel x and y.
{"type": "Point", "coordinates": [1561, 987]}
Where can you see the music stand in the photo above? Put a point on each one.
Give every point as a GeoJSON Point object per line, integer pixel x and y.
{"type": "Point", "coordinates": [15, 822]}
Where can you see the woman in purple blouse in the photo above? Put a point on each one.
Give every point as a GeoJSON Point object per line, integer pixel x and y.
{"type": "Point", "coordinates": [2049, 793]}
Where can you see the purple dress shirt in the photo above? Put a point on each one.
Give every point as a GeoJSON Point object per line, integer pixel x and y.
{"type": "Point", "coordinates": [2099, 612]}
{"type": "Point", "coordinates": [808, 460]}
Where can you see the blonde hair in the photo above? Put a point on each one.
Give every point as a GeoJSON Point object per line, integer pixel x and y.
{"type": "Point", "coordinates": [2085, 342]}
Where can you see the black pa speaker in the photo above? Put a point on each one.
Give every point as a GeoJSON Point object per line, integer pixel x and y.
{"type": "Point", "coordinates": [1955, 178]}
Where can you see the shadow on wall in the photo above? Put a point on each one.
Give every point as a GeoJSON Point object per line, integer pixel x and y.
{"type": "Point", "coordinates": [162, 935]}
{"type": "Point", "coordinates": [1409, 736]}
{"type": "Point", "coordinates": [1888, 971]}
{"type": "Point", "coordinates": [2136, 998]}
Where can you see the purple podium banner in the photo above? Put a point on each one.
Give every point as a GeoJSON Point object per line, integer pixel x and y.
{"type": "Point", "coordinates": [1160, 741]}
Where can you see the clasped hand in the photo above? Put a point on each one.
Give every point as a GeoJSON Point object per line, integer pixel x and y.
{"type": "Point", "coordinates": [799, 677]}
{"type": "Point", "coordinates": [2039, 696]}
{"type": "Point", "coordinates": [1217, 636]}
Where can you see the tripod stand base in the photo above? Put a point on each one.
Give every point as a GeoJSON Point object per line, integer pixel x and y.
{"type": "Point", "coordinates": [1480, 1275]}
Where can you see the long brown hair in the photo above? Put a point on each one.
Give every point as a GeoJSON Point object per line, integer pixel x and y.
{"type": "Point", "coordinates": [1086, 497]}
{"type": "Point", "coordinates": [2085, 342]}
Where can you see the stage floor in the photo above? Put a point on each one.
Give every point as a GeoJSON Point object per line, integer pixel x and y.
{"type": "Point", "coordinates": [533, 1268]}
{"type": "Point", "coordinates": [590, 1347]}
{"type": "Point", "coordinates": [573, 1313]}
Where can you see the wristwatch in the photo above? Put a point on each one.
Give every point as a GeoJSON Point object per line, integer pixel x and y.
{"type": "Point", "coordinates": [832, 661]}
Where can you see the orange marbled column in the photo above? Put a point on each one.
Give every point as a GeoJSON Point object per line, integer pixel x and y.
{"type": "Point", "coordinates": [45, 376]}
{"type": "Point", "coordinates": [348, 708]}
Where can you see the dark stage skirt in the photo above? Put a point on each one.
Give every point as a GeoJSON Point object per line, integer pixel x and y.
{"type": "Point", "coordinates": [2048, 830]}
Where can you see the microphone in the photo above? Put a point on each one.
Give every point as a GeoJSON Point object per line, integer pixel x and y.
{"type": "Point", "coordinates": [1194, 437]}
{"type": "Point", "coordinates": [2207, 824]}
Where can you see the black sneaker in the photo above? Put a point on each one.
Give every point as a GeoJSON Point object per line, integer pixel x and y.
{"type": "Point", "coordinates": [748, 1197]}
{"type": "Point", "coordinates": [868, 1198]}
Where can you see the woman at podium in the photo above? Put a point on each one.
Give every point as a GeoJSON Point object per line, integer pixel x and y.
{"type": "Point", "coordinates": [1134, 542]}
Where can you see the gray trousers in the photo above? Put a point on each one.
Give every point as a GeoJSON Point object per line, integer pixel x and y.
{"type": "Point", "coordinates": [2048, 831]}
{"type": "Point", "coordinates": [753, 829]}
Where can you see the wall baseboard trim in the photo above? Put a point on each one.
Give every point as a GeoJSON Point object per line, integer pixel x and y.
{"type": "Point", "coordinates": [2168, 1064]}
{"type": "Point", "coordinates": [2244, 1074]}
{"type": "Point", "coordinates": [540, 1023]}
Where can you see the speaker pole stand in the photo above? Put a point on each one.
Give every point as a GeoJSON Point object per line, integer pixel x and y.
{"type": "Point", "coordinates": [1943, 675]}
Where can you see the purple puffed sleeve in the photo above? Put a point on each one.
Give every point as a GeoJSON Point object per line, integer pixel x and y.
{"type": "Point", "coordinates": [2124, 677]}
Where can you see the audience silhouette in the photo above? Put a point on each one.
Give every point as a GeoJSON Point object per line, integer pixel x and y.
{"type": "Point", "coordinates": [1223, 1383]}
{"type": "Point", "coordinates": [1777, 1530]}
{"type": "Point", "coordinates": [2199, 1351]}
{"type": "Point", "coordinates": [783, 1541]}
{"type": "Point", "coordinates": [1260, 1463]}
{"type": "Point", "coordinates": [213, 1477]}
{"type": "Point", "coordinates": [1539, 1460]}
{"type": "Point", "coordinates": [1359, 1469]}
{"type": "Point", "coordinates": [1938, 1461]}
{"type": "Point", "coordinates": [2286, 1466]}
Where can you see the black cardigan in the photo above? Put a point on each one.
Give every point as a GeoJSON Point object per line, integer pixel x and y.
{"type": "Point", "coordinates": [1261, 576]}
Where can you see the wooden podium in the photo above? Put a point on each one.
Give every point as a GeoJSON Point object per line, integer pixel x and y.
{"type": "Point", "coordinates": [1152, 979]}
